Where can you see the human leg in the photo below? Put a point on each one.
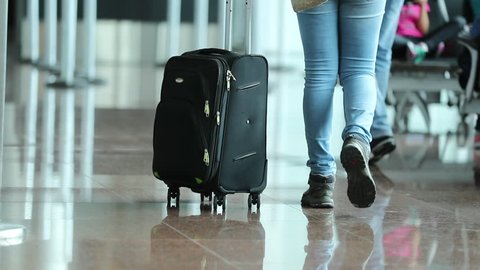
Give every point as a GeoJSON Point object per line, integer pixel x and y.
{"type": "Point", "coordinates": [359, 33]}
{"type": "Point", "coordinates": [360, 23]}
{"type": "Point", "coordinates": [445, 32]}
{"type": "Point", "coordinates": [383, 142]}
{"type": "Point", "coordinates": [318, 30]}
{"type": "Point", "coordinates": [433, 43]}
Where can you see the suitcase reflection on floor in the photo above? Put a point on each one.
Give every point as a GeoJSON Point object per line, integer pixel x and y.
{"type": "Point", "coordinates": [207, 241]}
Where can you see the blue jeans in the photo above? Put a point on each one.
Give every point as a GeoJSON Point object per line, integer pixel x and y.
{"type": "Point", "coordinates": [339, 38]}
{"type": "Point", "coordinates": [381, 126]}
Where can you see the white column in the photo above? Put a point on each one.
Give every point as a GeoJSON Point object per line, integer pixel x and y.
{"type": "Point", "coordinates": [174, 8]}
{"type": "Point", "coordinates": [69, 27]}
{"type": "Point", "coordinates": [89, 38]}
{"type": "Point", "coordinates": [201, 23]}
{"type": "Point", "coordinates": [33, 20]}
{"type": "Point", "coordinates": [51, 26]}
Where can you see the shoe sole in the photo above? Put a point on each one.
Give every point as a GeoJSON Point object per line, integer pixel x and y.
{"type": "Point", "coordinates": [312, 204]}
{"type": "Point", "coordinates": [317, 205]}
{"type": "Point", "coordinates": [381, 150]}
{"type": "Point", "coordinates": [361, 187]}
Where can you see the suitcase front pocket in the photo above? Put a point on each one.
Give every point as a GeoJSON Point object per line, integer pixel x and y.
{"type": "Point", "coordinates": [181, 151]}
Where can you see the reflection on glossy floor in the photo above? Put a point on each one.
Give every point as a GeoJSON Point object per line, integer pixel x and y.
{"type": "Point", "coordinates": [77, 177]}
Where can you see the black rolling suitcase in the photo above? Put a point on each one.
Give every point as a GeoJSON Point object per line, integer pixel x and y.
{"type": "Point", "coordinates": [210, 124]}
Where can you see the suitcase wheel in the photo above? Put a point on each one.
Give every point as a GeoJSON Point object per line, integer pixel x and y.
{"type": "Point", "coordinates": [208, 195]}
{"type": "Point", "coordinates": [219, 200]}
{"type": "Point", "coordinates": [253, 199]}
{"type": "Point", "coordinates": [173, 193]}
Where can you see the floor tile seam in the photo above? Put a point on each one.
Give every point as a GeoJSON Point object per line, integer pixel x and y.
{"type": "Point", "coordinates": [200, 245]}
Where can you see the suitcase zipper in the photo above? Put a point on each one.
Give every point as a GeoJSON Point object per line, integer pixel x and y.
{"type": "Point", "coordinates": [229, 77]}
{"type": "Point", "coordinates": [206, 157]}
{"type": "Point", "coordinates": [220, 105]}
{"type": "Point", "coordinates": [224, 83]}
{"type": "Point", "coordinates": [206, 109]}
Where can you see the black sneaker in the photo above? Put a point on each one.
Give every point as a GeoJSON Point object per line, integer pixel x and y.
{"type": "Point", "coordinates": [320, 192]}
{"type": "Point", "coordinates": [381, 147]}
{"type": "Point", "coordinates": [354, 158]}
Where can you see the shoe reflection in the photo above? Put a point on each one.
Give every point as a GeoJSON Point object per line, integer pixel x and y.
{"type": "Point", "coordinates": [320, 235]}
{"type": "Point", "coordinates": [207, 241]}
{"type": "Point", "coordinates": [353, 243]}
{"type": "Point", "coordinates": [350, 247]}
{"type": "Point", "coordinates": [358, 245]}
{"type": "Point", "coordinates": [360, 233]}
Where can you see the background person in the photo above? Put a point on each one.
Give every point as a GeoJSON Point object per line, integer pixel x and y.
{"type": "Point", "coordinates": [414, 40]}
{"type": "Point", "coordinates": [383, 142]}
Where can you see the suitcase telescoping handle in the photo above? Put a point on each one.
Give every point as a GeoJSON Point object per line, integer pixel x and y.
{"type": "Point", "coordinates": [248, 25]}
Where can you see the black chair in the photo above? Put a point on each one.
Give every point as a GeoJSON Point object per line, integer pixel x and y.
{"type": "Point", "coordinates": [425, 83]}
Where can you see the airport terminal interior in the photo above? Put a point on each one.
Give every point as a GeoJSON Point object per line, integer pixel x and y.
{"type": "Point", "coordinates": [77, 189]}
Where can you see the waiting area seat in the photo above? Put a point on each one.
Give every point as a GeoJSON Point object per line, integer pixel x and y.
{"type": "Point", "coordinates": [431, 80]}
{"type": "Point", "coordinates": [422, 84]}
{"type": "Point", "coordinates": [470, 102]}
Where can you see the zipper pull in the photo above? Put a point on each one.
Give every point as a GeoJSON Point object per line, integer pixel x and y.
{"type": "Point", "coordinates": [206, 157]}
{"type": "Point", "coordinates": [206, 109]}
{"type": "Point", "coordinates": [229, 77]}
{"type": "Point", "coordinates": [218, 118]}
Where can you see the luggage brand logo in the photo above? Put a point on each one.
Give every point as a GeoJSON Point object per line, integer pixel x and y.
{"type": "Point", "coordinates": [179, 80]}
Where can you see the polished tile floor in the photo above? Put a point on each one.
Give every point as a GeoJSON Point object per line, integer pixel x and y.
{"type": "Point", "coordinates": [77, 176]}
